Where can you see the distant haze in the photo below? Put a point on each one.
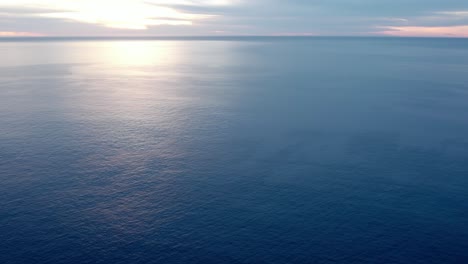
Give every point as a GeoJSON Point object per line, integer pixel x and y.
{"type": "Point", "coordinates": [435, 18]}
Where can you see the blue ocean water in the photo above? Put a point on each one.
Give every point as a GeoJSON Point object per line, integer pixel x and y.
{"type": "Point", "coordinates": [234, 150]}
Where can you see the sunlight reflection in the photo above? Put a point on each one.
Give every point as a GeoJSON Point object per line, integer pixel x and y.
{"type": "Point", "coordinates": [137, 109]}
{"type": "Point", "coordinates": [134, 53]}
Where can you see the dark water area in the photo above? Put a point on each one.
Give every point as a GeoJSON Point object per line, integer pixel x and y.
{"type": "Point", "coordinates": [270, 150]}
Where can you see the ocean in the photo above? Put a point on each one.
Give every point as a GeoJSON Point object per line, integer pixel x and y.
{"type": "Point", "coordinates": [234, 150]}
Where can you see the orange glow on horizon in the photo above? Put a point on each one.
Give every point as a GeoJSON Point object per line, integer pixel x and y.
{"type": "Point", "coordinates": [19, 34]}
{"type": "Point", "coordinates": [452, 31]}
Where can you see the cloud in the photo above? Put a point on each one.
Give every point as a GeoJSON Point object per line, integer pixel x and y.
{"type": "Point", "coordinates": [233, 17]}
{"type": "Point", "coordinates": [460, 14]}
{"type": "Point", "coordinates": [436, 24]}
{"type": "Point", "coordinates": [124, 14]}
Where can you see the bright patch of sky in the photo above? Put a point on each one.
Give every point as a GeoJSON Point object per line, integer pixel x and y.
{"type": "Point", "coordinates": [233, 17]}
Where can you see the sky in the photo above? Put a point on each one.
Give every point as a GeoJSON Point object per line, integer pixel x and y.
{"type": "Point", "coordinates": [435, 18]}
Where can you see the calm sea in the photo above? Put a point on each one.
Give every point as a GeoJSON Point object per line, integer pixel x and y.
{"type": "Point", "coordinates": [249, 150]}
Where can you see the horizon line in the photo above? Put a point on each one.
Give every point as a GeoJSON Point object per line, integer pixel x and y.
{"type": "Point", "coordinates": [216, 37]}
